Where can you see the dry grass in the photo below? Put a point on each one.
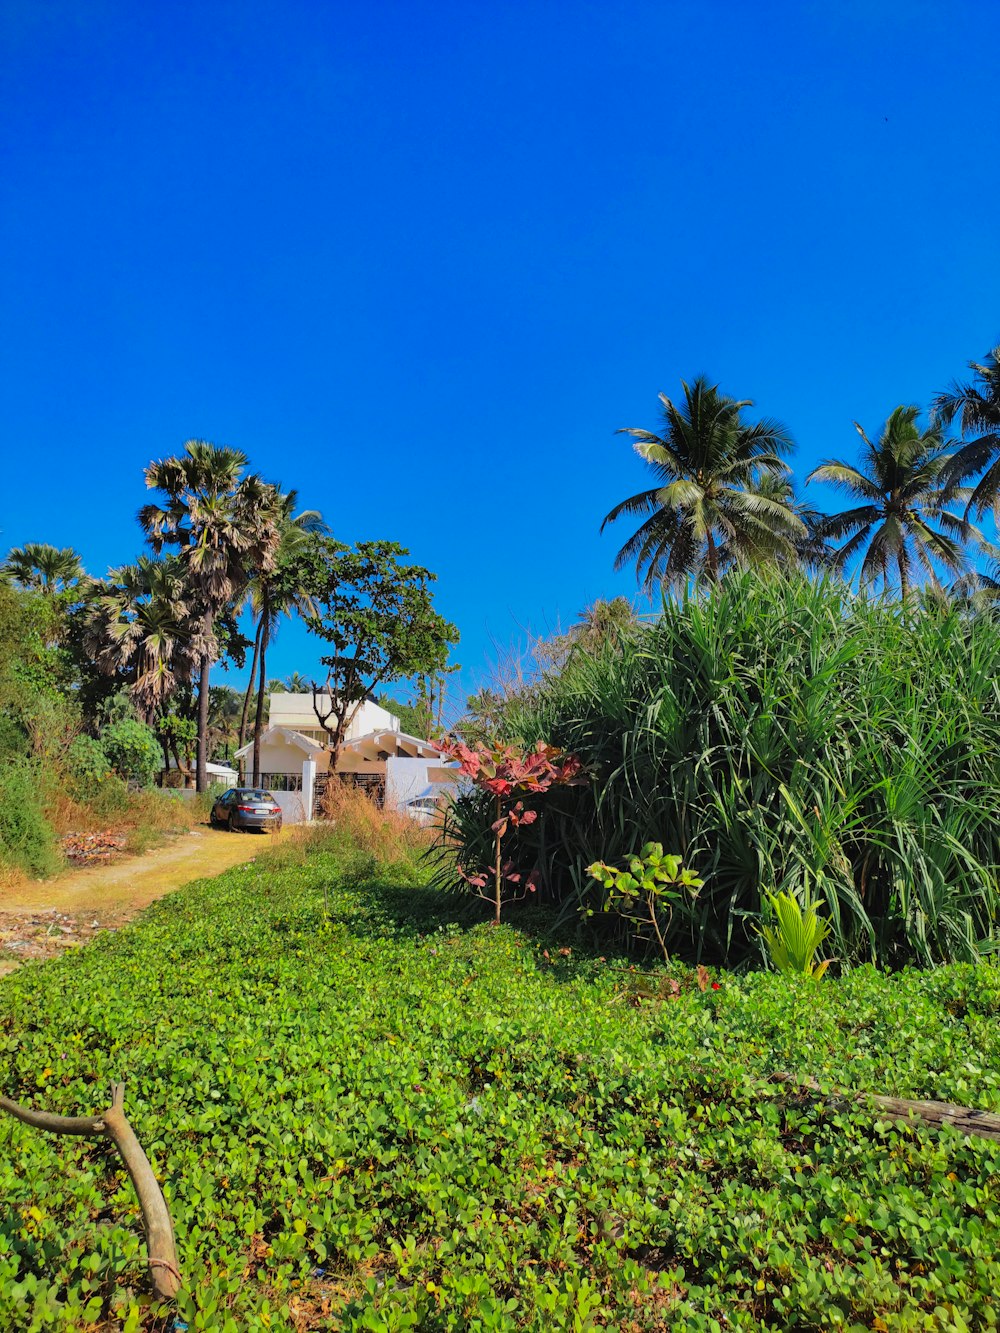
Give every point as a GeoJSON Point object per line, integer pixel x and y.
{"type": "Point", "coordinates": [145, 819]}
{"type": "Point", "coordinates": [388, 835]}
{"type": "Point", "coordinates": [353, 821]}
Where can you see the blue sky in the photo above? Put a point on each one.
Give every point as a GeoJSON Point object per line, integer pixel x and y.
{"type": "Point", "coordinates": [420, 260]}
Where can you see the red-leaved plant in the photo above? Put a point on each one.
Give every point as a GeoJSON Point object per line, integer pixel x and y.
{"type": "Point", "coordinates": [509, 774]}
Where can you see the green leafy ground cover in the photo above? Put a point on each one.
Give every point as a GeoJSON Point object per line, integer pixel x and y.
{"type": "Point", "coordinates": [402, 1122]}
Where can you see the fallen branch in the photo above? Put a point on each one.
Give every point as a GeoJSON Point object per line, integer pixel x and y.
{"type": "Point", "coordinates": [967, 1120]}
{"type": "Point", "coordinates": [113, 1125]}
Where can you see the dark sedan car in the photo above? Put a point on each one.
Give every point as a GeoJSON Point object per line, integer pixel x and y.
{"type": "Point", "coordinates": [246, 808]}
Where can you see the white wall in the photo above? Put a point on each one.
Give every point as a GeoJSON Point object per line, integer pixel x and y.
{"type": "Point", "coordinates": [292, 808]}
{"type": "Point", "coordinates": [406, 779]}
{"type": "Point", "coordinates": [276, 756]}
{"type": "Point", "coordinates": [295, 711]}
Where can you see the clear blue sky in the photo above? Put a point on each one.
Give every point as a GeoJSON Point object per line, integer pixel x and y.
{"type": "Point", "coordinates": [420, 260]}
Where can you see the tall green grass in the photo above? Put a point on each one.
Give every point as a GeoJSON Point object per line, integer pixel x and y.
{"type": "Point", "coordinates": [783, 736]}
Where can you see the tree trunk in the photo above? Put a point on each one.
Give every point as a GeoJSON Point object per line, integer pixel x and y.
{"type": "Point", "coordinates": [712, 558]}
{"type": "Point", "coordinates": [202, 779]}
{"type": "Point", "coordinates": [258, 722]}
{"type": "Point", "coordinates": [966, 1119]}
{"type": "Point", "coordinates": [245, 716]}
{"type": "Point", "coordinates": [498, 882]}
{"type": "Point", "coordinates": [904, 586]}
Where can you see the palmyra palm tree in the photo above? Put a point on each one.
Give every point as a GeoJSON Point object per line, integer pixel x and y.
{"type": "Point", "coordinates": [902, 525]}
{"type": "Point", "coordinates": [140, 623]}
{"type": "Point", "coordinates": [40, 567]}
{"type": "Point", "coordinates": [225, 527]}
{"type": "Point", "coordinates": [975, 405]}
{"type": "Point", "coordinates": [708, 509]}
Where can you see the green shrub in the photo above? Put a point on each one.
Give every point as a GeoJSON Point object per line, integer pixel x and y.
{"type": "Point", "coordinates": [787, 734]}
{"type": "Point", "coordinates": [27, 841]}
{"type": "Point", "coordinates": [13, 739]}
{"type": "Point", "coordinates": [88, 763]}
{"type": "Point", "coordinates": [133, 751]}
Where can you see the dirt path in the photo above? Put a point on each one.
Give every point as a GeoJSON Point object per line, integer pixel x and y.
{"type": "Point", "coordinates": [42, 919]}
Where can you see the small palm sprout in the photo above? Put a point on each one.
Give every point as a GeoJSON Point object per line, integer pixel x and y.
{"type": "Point", "coordinates": [795, 937]}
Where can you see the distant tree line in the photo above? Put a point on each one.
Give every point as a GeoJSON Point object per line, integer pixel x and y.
{"type": "Point", "coordinates": [225, 546]}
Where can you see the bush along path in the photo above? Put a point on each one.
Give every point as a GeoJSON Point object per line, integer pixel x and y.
{"type": "Point", "coordinates": [378, 1118]}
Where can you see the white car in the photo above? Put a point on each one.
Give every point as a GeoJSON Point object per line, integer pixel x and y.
{"type": "Point", "coordinates": [424, 809]}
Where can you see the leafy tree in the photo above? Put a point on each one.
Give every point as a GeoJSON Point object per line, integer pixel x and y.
{"type": "Point", "coordinates": [414, 718]}
{"type": "Point", "coordinates": [378, 617]}
{"type": "Point", "coordinates": [88, 762]}
{"type": "Point", "coordinates": [177, 732]}
{"type": "Point", "coordinates": [902, 525]}
{"type": "Point", "coordinates": [975, 405]}
{"type": "Point", "coordinates": [708, 509]}
{"type": "Point", "coordinates": [31, 676]}
{"type": "Point", "coordinates": [133, 752]}
{"type": "Point", "coordinates": [224, 526]}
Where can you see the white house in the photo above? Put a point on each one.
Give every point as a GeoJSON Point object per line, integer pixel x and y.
{"type": "Point", "coordinates": [295, 712]}
{"type": "Point", "coordinates": [294, 760]}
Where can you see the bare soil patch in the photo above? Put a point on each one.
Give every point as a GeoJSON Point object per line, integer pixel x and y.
{"type": "Point", "coordinates": [43, 918]}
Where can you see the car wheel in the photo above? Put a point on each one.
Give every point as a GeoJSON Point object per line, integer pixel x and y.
{"type": "Point", "coordinates": [233, 826]}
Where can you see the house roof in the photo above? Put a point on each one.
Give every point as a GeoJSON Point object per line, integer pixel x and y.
{"type": "Point", "coordinates": [218, 770]}
{"type": "Point", "coordinates": [392, 742]}
{"type": "Point", "coordinates": [294, 738]}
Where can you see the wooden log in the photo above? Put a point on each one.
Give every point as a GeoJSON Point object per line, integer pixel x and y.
{"type": "Point", "coordinates": [113, 1125]}
{"type": "Point", "coordinates": [966, 1119]}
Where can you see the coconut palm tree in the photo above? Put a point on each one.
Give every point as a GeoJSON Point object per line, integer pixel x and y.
{"type": "Point", "coordinates": [809, 549]}
{"type": "Point", "coordinates": [223, 719]}
{"type": "Point", "coordinates": [707, 508]}
{"type": "Point", "coordinates": [601, 624]}
{"type": "Point", "coordinates": [976, 407]}
{"type": "Point", "coordinates": [901, 524]}
{"type": "Point", "coordinates": [224, 526]}
{"type": "Point", "coordinates": [40, 567]}
{"type": "Point", "coordinates": [140, 623]}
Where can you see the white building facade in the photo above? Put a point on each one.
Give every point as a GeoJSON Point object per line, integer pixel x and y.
{"type": "Point", "coordinates": [295, 763]}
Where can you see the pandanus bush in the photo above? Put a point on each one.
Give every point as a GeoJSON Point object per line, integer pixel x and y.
{"type": "Point", "coordinates": [788, 736]}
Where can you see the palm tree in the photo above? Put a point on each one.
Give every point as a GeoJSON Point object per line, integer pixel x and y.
{"type": "Point", "coordinates": [223, 717]}
{"type": "Point", "coordinates": [40, 567]}
{"type": "Point", "coordinates": [809, 549]}
{"type": "Point", "coordinates": [140, 623]}
{"type": "Point", "coordinates": [273, 593]}
{"type": "Point", "coordinates": [296, 683]}
{"type": "Point", "coordinates": [224, 526]}
{"type": "Point", "coordinates": [707, 509]}
{"type": "Point", "coordinates": [601, 624]}
{"type": "Point", "coordinates": [902, 523]}
{"type": "Point", "coordinates": [976, 406]}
